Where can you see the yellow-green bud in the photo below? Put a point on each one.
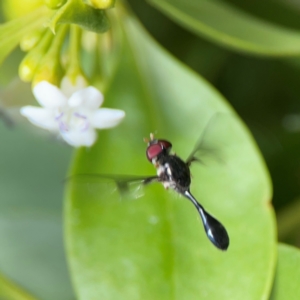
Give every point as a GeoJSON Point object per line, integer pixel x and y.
{"type": "Point", "coordinates": [32, 59]}
{"type": "Point", "coordinates": [50, 70]}
{"type": "Point", "coordinates": [30, 40]}
{"type": "Point", "coordinates": [54, 4]}
{"type": "Point", "coordinates": [28, 67]}
{"type": "Point", "coordinates": [100, 4]}
{"type": "Point", "coordinates": [74, 73]}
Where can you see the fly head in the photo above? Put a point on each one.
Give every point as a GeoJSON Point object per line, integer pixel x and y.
{"type": "Point", "coordinates": [157, 148]}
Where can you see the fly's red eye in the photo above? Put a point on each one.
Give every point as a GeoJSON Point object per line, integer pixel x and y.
{"type": "Point", "coordinates": [165, 144]}
{"type": "Point", "coordinates": [153, 150]}
{"type": "Point", "coordinates": [157, 147]}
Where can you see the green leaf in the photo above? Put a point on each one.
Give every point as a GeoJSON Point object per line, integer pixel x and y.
{"type": "Point", "coordinates": [286, 285]}
{"type": "Point", "coordinates": [155, 247]}
{"type": "Point", "coordinates": [12, 32]}
{"type": "Point", "coordinates": [10, 291]}
{"type": "Point", "coordinates": [32, 253]}
{"type": "Point", "coordinates": [76, 12]}
{"type": "Point", "coordinates": [228, 26]}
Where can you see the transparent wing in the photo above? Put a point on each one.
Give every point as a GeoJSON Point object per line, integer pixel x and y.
{"type": "Point", "coordinates": [205, 146]}
{"type": "Point", "coordinates": [109, 187]}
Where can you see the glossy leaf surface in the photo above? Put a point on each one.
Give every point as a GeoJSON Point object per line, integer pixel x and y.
{"type": "Point", "coordinates": [288, 271]}
{"type": "Point", "coordinates": [231, 27]}
{"type": "Point", "coordinates": [155, 247]}
{"type": "Point", "coordinates": [10, 291]}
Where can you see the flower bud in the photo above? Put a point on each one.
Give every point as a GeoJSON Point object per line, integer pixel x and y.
{"type": "Point", "coordinates": [28, 67]}
{"type": "Point", "coordinates": [54, 4]}
{"type": "Point", "coordinates": [30, 40]}
{"type": "Point", "coordinates": [49, 70]}
{"type": "Point", "coordinates": [31, 61]}
{"type": "Point", "coordinates": [100, 4]}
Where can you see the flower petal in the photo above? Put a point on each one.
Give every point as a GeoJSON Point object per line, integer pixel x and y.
{"type": "Point", "coordinates": [68, 88]}
{"type": "Point", "coordinates": [89, 97]}
{"type": "Point", "coordinates": [49, 95]}
{"type": "Point", "coordinates": [40, 117]}
{"type": "Point", "coordinates": [107, 118]}
{"type": "Point", "coordinates": [80, 138]}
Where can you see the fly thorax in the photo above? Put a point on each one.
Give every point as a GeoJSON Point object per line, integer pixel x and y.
{"type": "Point", "coordinates": [160, 170]}
{"type": "Point", "coordinates": [164, 172]}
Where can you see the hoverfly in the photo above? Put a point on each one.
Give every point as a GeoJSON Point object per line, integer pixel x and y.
{"type": "Point", "coordinates": [174, 173]}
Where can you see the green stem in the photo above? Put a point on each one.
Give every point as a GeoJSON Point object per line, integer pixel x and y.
{"type": "Point", "coordinates": [43, 44]}
{"type": "Point", "coordinates": [74, 67]}
{"type": "Point", "coordinates": [75, 40]}
{"type": "Point", "coordinates": [50, 68]}
{"type": "Point", "coordinates": [55, 48]}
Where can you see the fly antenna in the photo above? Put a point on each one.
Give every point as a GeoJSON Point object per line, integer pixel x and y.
{"type": "Point", "coordinates": [151, 136]}
{"type": "Point", "coordinates": [146, 140]}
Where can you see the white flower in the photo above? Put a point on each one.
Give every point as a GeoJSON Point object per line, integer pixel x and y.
{"type": "Point", "coordinates": [75, 117]}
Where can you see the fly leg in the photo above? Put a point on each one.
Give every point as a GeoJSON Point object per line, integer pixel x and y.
{"type": "Point", "coordinates": [151, 179]}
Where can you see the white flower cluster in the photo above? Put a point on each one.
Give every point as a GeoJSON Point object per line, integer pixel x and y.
{"type": "Point", "coordinates": [75, 115]}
